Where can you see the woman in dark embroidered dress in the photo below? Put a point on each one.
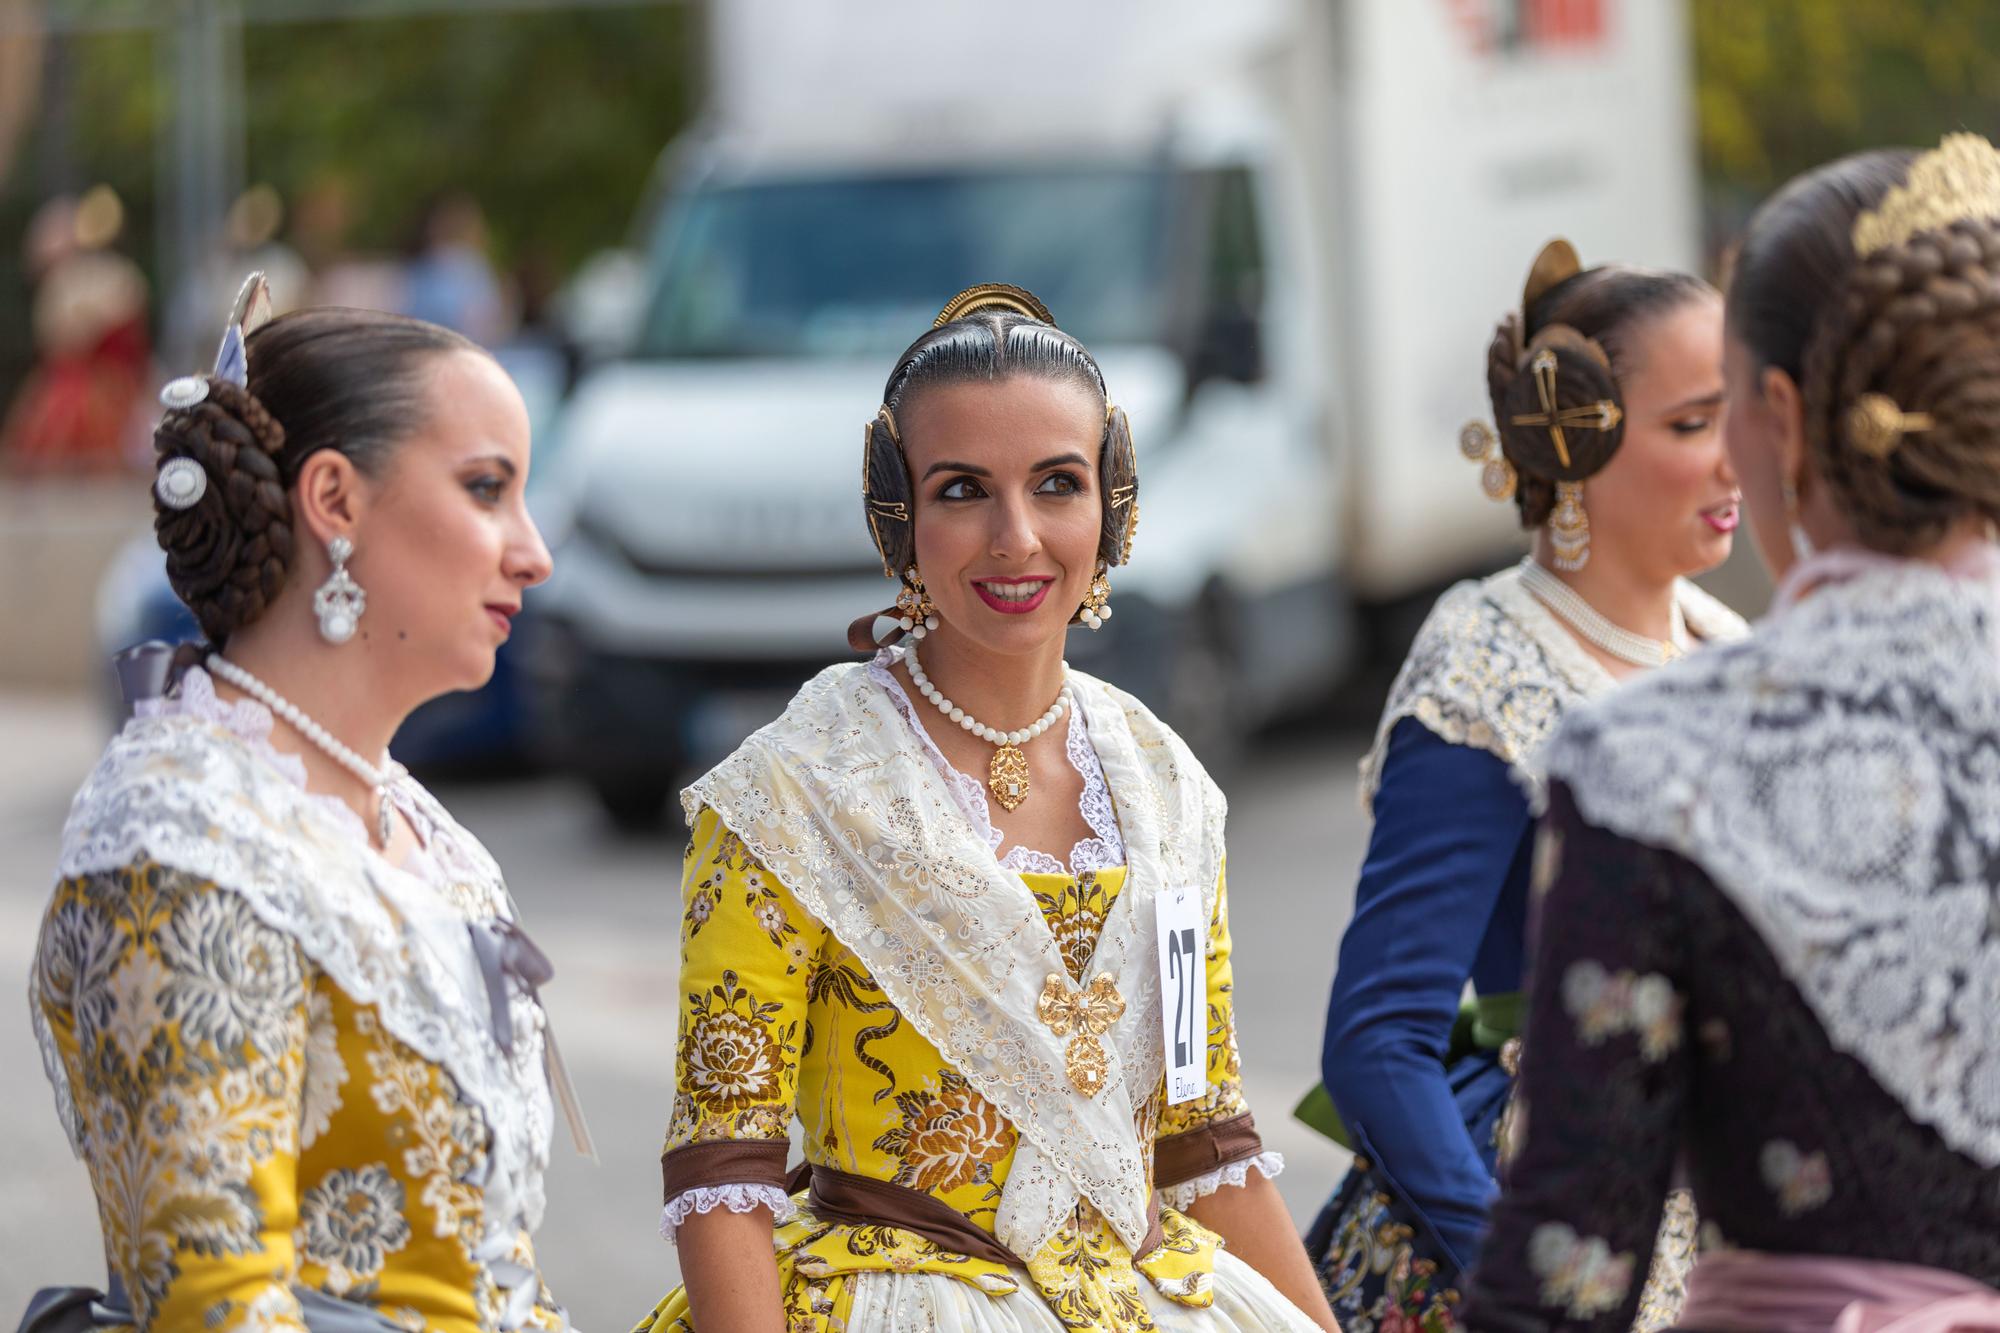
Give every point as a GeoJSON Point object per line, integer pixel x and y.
{"type": "Point", "coordinates": [1635, 371]}
{"type": "Point", "coordinates": [1767, 878]}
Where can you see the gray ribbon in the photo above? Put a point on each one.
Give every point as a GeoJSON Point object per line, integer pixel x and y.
{"type": "Point", "coordinates": [504, 950]}
{"type": "Point", "coordinates": [150, 670]}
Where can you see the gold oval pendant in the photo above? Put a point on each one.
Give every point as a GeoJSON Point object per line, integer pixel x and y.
{"type": "Point", "coordinates": [1007, 778]}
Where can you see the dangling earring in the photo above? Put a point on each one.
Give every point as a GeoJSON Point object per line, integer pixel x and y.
{"type": "Point", "coordinates": [339, 601]}
{"type": "Point", "coordinates": [913, 605]}
{"type": "Point", "coordinates": [1802, 545]}
{"type": "Point", "coordinates": [1569, 527]}
{"type": "Point", "coordinates": [1096, 608]}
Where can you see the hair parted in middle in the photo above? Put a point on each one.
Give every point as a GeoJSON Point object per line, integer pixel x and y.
{"type": "Point", "coordinates": [1553, 369]}
{"type": "Point", "coordinates": [990, 332]}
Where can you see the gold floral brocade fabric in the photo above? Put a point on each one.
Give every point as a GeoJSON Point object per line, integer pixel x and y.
{"type": "Point", "coordinates": [250, 1128]}
{"type": "Point", "coordinates": [778, 1019]}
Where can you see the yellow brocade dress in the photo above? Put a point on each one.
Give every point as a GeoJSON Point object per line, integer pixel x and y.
{"type": "Point", "coordinates": [256, 1132]}
{"type": "Point", "coordinates": [778, 1017]}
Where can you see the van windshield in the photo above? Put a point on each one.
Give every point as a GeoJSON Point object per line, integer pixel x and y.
{"type": "Point", "coordinates": [856, 265]}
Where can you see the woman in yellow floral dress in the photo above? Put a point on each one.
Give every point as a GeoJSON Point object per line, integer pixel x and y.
{"type": "Point", "coordinates": [1016, 1071]}
{"type": "Point", "coordinates": [289, 1018]}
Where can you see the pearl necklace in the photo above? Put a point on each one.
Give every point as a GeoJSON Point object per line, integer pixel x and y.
{"type": "Point", "coordinates": [1007, 776]}
{"type": "Point", "coordinates": [1585, 619]}
{"type": "Point", "coordinates": [377, 778]}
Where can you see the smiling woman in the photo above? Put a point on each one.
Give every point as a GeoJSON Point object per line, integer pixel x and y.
{"type": "Point", "coordinates": [1018, 1113]}
{"type": "Point", "coordinates": [279, 989]}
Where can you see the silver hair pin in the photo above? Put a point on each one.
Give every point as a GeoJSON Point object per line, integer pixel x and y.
{"type": "Point", "coordinates": [181, 483]}
{"type": "Point", "coordinates": [183, 393]}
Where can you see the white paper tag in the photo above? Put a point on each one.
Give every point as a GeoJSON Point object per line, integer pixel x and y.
{"type": "Point", "coordinates": [1184, 992]}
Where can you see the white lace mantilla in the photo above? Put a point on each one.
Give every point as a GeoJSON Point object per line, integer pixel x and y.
{"type": "Point", "coordinates": [840, 799]}
{"type": "Point", "coordinates": [1104, 848]}
{"type": "Point", "coordinates": [1838, 776]}
{"type": "Point", "coordinates": [1494, 669]}
{"type": "Point", "coordinates": [196, 786]}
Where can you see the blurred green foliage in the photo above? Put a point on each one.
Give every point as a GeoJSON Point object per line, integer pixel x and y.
{"type": "Point", "coordinates": [1782, 85]}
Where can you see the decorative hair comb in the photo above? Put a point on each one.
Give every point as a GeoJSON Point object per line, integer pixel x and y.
{"type": "Point", "coordinates": [1957, 180]}
{"type": "Point", "coordinates": [993, 296]}
{"type": "Point", "coordinates": [182, 481]}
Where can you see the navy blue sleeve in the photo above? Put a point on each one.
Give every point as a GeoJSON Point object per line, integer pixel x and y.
{"type": "Point", "coordinates": [1450, 828]}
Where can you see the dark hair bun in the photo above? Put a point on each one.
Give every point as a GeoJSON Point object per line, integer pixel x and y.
{"type": "Point", "coordinates": [227, 554]}
{"type": "Point", "coordinates": [1557, 407]}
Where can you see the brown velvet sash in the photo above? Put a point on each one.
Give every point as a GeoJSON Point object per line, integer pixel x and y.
{"type": "Point", "coordinates": [841, 1196]}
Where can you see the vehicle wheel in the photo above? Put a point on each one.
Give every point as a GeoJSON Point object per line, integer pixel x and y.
{"type": "Point", "coordinates": [1201, 696]}
{"type": "Point", "coordinates": [635, 804]}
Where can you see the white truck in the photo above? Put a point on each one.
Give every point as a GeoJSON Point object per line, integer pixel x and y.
{"type": "Point", "coordinates": [1285, 227]}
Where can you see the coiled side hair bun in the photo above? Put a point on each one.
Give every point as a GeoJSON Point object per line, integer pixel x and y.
{"type": "Point", "coordinates": [229, 552]}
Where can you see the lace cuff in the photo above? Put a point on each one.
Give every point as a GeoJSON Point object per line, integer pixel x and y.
{"type": "Point", "coordinates": [736, 1198]}
{"type": "Point", "coordinates": [1178, 1197]}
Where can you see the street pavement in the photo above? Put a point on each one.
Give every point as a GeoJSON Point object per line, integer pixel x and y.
{"type": "Point", "coordinates": [607, 910]}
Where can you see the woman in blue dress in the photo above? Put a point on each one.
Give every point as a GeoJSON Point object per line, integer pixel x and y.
{"type": "Point", "coordinates": [1607, 388]}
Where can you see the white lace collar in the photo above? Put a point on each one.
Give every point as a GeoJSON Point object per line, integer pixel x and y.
{"type": "Point", "coordinates": [251, 722]}
{"type": "Point", "coordinates": [1838, 776]}
{"type": "Point", "coordinates": [1494, 669]}
{"type": "Point", "coordinates": [1102, 850]}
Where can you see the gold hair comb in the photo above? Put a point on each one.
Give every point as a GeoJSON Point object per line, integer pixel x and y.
{"type": "Point", "coordinates": [1957, 180]}
{"type": "Point", "coordinates": [993, 296]}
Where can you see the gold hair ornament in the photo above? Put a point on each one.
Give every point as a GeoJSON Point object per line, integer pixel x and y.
{"type": "Point", "coordinates": [1557, 263]}
{"type": "Point", "coordinates": [1479, 444]}
{"type": "Point", "coordinates": [1876, 425]}
{"type": "Point", "coordinates": [894, 510]}
{"type": "Point", "coordinates": [1602, 415]}
{"type": "Point", "coordinates": [1956, 181]}
{"type": "Point", "coordinates": [993, 296]}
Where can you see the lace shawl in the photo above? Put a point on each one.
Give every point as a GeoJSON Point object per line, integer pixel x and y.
{"type": "Point", "coordinates": [1838, 777]}
{"type": "Point", "coordinates": [1494, 669]}
{"type": "Point", "coordinates": [839, 800]}
{"type": "Point", "coordinates": [190, 792]}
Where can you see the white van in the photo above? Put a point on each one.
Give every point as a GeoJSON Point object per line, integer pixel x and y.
{"type": "Point", "coordinates": [1288, 291]}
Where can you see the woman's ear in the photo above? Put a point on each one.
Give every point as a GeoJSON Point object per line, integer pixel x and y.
{"type": "Point", "coordinates": [1786, 405]}
{"type": "Point", "coordinates": [328, 498]}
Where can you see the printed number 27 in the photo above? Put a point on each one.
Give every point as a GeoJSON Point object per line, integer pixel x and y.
{"type": "Point", "coordinates": [1180, 970]}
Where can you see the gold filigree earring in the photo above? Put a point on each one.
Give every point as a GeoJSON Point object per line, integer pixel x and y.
{"type": "Point", "coordinates": [913, 606]}
{"type": "Point", "coordinates": [1096, 608]}
{"type": "Point", "coordinates": [1479, 444]}
{"type": "Point", "coordinates": [1569, 527]}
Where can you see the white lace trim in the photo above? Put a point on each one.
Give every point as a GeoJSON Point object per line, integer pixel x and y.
{"type": "Point", "coordinates": [205, 797]}
{"type": "Point", "coordinates": [1838, 776]}
{"type": "Point", "coordinates": [1494, 669]}
{"type": "Point", "coordinates": [734, 1198]}
{"type": "Point", "coordinates": [1177, 1197]}
{"type": "Point", "coordinates": [1104, 849]}
{"type": "Point", "coordinates": [254, 724]}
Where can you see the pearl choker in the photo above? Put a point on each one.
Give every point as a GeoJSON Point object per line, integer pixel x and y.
{"type": "Point", "coordinates": [1007, 776]}
{"type": "Point", "coordinates": [377, 778]}
{"type": "Point", "coordinates": [1585, 619]}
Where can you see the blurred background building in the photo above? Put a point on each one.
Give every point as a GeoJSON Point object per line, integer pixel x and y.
{"type": "Point", "coordinates": [698, 233]}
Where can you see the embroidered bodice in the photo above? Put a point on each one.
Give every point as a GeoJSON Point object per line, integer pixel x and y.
{"type": "Point", "coordinates": [288, 1040]}
{"type": "Point", "coordinates": [811, 994]}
